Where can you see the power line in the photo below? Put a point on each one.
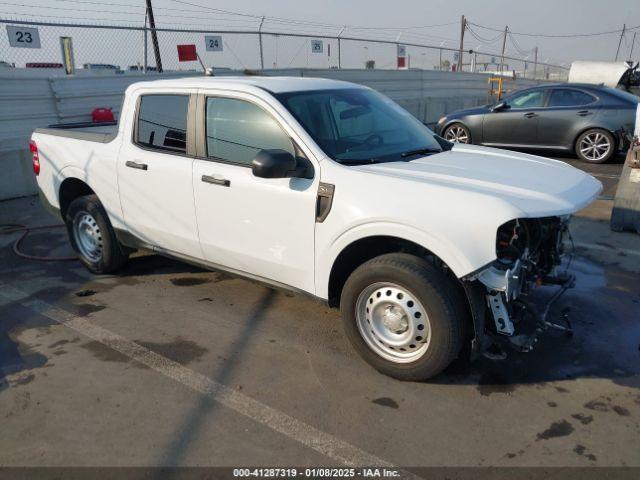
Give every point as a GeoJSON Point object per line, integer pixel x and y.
{"type": "Point", "coordinates": [545, 35]}
{"type": "Point", "coordinates": [86, 2]}
{"type": "Point", "coordinates": [482, 39]}
{"type": "Point", "coordinates": [66, 17]}
{"type": "Point", "coordinates": [67, 9]}
{"type": "Point", "coordinates": [412, 27]}
{"type": "Point", "coordinates": [306, 22]}
{"type": "Point", "coordinates": [284, 27]}
{"type": "Point", "coordinates": [514, 42]}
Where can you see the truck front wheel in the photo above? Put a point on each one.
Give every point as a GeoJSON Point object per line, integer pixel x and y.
{"type": "Point", "coordinates": [92, 236]}
{"type": "Point", "coordinates": [402, 316]}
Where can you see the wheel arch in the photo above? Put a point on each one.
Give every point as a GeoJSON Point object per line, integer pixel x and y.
{"type": "Point", "coordinates": [360, 250]}
{"type": "Point", "coordinates": [70, 189]}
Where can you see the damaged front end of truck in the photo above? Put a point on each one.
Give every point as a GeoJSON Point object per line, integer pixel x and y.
{"type": "Point", "coordinates": [530, 253]}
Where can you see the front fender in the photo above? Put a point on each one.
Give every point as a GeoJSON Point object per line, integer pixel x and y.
{"type": "Point", "coordinates": [455, 258]}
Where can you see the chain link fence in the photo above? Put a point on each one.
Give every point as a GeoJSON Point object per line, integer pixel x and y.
{"type": "Point", "coordinates": [110, 48]}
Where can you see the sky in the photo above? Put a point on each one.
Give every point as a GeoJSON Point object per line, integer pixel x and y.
{"type": "Point", "coordinates": [434, 22]}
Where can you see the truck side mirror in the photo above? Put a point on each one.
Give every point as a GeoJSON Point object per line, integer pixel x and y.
{"type": "Point", "coordinates": [275, 163]}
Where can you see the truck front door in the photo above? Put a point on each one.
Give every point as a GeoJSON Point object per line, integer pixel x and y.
{"type": "Point", "coordinates": [258, 226]}
{"type": "Point", "coordinates": [155, 171]}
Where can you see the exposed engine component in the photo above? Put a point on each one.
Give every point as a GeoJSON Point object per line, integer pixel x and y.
{"type": "Point", "coordinates": [528, 252]}
{"type": "Point", "coordinates": [504, 325]}
{"type": "Point", "coordinates": [537, 242]}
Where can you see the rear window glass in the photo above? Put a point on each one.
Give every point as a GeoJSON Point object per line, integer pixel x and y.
{"type": "Point", "coordinates": [569, 98]}
{"type": "Point", "coordinates": [162, 122]}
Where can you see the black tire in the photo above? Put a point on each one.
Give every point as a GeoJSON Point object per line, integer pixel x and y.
{"type": "Point", "coordinates": [450, 129]}
{"type": "Point", "coordinates": [589, 156]}
{"type": "Point", "coordinates": [436, 292]}
{"type": "Point", "coordinates": [112, 255]}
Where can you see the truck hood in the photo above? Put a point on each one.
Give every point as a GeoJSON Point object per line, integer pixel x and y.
{"type": "Point", "coordinates": [535, 185]}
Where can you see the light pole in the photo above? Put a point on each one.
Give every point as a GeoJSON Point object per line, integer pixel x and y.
{"type": "Point", "coordinates": [546, 68]}
{"type": "Point", "coordinates": [441, 45]}
{"type": "Point", "coordinates": [475, 58]}
{"type": "Point", "coordinates": [340, 48]}
{"type": "Point", "coordinates": [524, 73]}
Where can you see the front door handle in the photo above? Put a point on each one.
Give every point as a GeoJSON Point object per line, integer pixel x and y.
{"type": "Point", "coordinates": [584, 113]}
{"type": "Point", "coordinates": [139, 166]}
{"type": "Point", "coordinates": [223, 182]}
{"type": "Point", "coordinates": [530, 115]}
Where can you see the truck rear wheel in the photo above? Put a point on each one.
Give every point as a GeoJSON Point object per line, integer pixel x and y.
{"type": "Point", "coordinates": [92, 236]}
{"type": "Point", "coordinates": [402, 316]}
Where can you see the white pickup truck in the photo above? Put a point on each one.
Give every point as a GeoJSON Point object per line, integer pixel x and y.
{"type": "Point", "coordinates": [330, 189]}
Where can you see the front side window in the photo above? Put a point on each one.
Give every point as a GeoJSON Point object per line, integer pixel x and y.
{"type": "Point", "coordinates": [569, 98]}
{"type": "Point", "coordinates": [358, 125]}
{"type": "Point", "coordinates": [531, 99]}
{"type": "Point", "coordinates": [237, 130]}
{"type": "Point", "coordinates": [162, 122]}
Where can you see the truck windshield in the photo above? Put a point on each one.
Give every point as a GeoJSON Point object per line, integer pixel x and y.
{"type": "Point", "coordinates": [355, 126]}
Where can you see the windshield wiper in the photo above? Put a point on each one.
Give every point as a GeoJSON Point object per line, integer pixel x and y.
{"type": "Point", "coordinates": [420, 151]}
{"type": "Point", "coordinates": [366, 161]}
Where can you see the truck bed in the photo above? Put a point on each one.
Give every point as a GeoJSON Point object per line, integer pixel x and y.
{"type": "Point", "coordinates": [87, 131]}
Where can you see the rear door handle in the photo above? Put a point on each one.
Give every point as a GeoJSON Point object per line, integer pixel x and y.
{"type": "Point", "coordinates": [584, 113]}
{"type": "Point", "coordinates": [223, 182]}
{"type": "Point", "coordinates": [139, 166]}
{"type": "Point", "coordinates": [530, 115]}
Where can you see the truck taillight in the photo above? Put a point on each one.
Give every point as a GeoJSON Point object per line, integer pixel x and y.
{"type": "Point", "coordinates": [35, 160]}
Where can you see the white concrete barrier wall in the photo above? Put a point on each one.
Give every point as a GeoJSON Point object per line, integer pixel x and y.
{"type": "Point", "coordinates": [32, 99]}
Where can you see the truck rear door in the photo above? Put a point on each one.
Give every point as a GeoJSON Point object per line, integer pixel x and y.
{"type": "Point", "coordinates": [155, 173]}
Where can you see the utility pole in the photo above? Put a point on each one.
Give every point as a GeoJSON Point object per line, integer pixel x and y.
{"type": "Point", "coordinates": [154, 36]}
{"type": "Point", "coordinates": [633, 42]}
{"type": "Point", "coordinates": [624, 28]}
{"type": "Point", "coordinates": [535, 63]}
{"type": "Point", "coordinates": [504, 46]}
{"type": "Point", "coordinates": [260, 40]}
{"type": "Point", "coordinates": [463, 27]}
{"type": "Point", "coordinates": [145, 47]}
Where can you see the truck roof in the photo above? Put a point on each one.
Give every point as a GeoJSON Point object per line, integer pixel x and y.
{"type": "Point", "coordinates": [272, 84]}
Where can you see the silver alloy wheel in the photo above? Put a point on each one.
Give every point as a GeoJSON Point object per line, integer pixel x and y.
{"type": "Point", "coordinates": [87, 236]}
{"type": "Point", "coordinates": [393, 322]}
{"type": "Point", "coordinates": [456, 134]}
{"type": "Point", "coordinates": [595, 146]}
